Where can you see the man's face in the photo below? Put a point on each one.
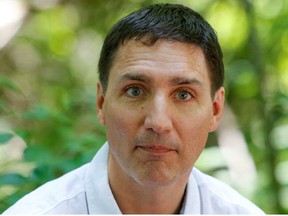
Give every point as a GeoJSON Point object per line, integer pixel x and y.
{"type": "Point", "coordinates": [158, 111]}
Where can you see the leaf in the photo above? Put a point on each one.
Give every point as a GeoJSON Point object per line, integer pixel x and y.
{"type": "Point", "coordinates": [5, 137]}
{"type": "Point", "coordinates": [39, 155]}
{"type": "Point", "coordinates": [38, 113]}
{"type": "Point", "coordinates": [5, 82]}
{"type": "Point", "coordinates": [11, 179]}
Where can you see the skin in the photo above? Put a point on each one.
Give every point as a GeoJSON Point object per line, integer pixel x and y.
{"type": "Point", "coordinates": [158, 112]}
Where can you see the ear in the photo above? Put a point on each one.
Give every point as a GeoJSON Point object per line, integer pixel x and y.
{"type": "Point", "coordinates": [218, 108]}
{"type": "Point", "coordinates": [100, 103]}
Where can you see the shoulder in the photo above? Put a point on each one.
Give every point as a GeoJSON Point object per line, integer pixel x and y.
{"type": "Point", "coordinates": [55, 196]}
{"type": "Point", "coordinates": [217, 197]}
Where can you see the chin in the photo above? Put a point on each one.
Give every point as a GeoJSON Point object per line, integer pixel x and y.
{"type": "Point", "coordinates": [156, 178]}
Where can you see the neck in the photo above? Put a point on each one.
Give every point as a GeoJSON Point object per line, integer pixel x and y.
{"type": "Point", "coordinates": [134, 198]}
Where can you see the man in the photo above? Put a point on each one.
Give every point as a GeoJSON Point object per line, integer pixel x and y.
{"type": "Point", "coordinates": [160, 94]}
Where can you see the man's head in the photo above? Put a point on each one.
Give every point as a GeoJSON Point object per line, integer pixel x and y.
{"type": "Point", "coordinates": [170, 22]}
{"type": "Point", "coordinates": [157, 105]}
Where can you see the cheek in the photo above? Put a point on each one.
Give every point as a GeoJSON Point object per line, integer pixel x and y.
{"type": "Point", "coordinates": [120, 123]}
{"type": "Point", "coordinates": [194, 135]}
{"type": "Point", "coordinates": [116, 126]}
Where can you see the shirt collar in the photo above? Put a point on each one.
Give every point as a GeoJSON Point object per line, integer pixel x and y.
{"type": "Point", "coordinates": [100, 199]}
{"type": "Point", "coordinates": [191, 203]}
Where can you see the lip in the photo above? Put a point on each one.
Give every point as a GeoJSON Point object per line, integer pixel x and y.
{"type": "Point", "coordinates": [156, 149]}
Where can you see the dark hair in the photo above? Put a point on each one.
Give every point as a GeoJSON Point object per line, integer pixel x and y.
{"type": "Point", "coordinates": [171, 22]}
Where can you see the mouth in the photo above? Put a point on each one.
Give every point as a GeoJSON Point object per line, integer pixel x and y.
{"type": "Point", "coordinates": [156, 149]}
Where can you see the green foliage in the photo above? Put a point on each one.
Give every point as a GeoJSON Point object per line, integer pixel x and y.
{"type": "Point", "coordinates": [5, 137]}
{"type": "Point", "coordinates": [48, 90]}
{"type": "Point", "coordinates": [12, 179]}
{"type": "Point", "coordinates": [8, 84]}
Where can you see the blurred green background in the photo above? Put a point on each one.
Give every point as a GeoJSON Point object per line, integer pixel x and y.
{"type": "Point", "coordinates": [49, 51]}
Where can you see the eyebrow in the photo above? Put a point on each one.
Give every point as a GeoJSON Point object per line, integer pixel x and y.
{"type": "Point", "coordinates": [185, 81]}
{"type": "Point", "coordinates": [136, 77]}
{"type": "Point", "coordinates": [174, 81]}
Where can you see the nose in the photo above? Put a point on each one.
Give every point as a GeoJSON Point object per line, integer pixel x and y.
{"type": "Point", "coordinates": [158, 117]}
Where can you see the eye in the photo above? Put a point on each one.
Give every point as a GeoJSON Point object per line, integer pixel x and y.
{"type": "Point", "coordinates": [134, 91]}
{"type": "Point", "coordinates": [183, 95]}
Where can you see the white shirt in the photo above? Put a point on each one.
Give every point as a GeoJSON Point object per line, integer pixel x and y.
{"type": "Point", "coordinates": [86, 190]}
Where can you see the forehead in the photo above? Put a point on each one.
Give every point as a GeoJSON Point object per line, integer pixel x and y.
{"type": "Point", "coordinates": [161, 47]}
{"type": "Point", "coordinates": [164, 58]}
